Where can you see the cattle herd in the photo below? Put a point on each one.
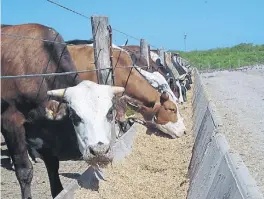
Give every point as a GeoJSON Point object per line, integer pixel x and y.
{"type": "Point", "coordinates": [69, 117]}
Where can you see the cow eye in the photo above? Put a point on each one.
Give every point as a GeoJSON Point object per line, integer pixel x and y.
{"type": "Point", "coordinates": [110, 114]}
{"type": "Point", "coordinates": [173, 110]}
{"type": "Point", "coordinates": [170, 109]}
{"type": "Point", "coordinates": [74, 117]}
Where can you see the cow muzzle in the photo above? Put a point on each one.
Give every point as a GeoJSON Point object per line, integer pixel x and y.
{"type": "Point", "coordinates": [98, 154]}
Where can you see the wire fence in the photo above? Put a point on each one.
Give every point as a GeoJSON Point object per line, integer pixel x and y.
{"type": "Point", "coordinates": [43, 75]}
{"type": "Point", "coordinates": [116, 30]}
{"type": "Point", "coordinates": [64, 43]}
{"type": "Point", "coordinates": [63, 73]}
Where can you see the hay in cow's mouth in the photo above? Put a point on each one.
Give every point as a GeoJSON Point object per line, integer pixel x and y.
{"type": "Point", "coordinates": [153, 128]}
{"type": "Point", "coordinates": [101, 161]}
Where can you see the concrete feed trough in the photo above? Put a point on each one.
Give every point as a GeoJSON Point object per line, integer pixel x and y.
{"type": "Point", "coordinates": [214, 170]}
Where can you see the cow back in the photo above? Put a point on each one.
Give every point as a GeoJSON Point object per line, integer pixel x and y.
{"type": "Point", "coordinates": [25, 50]}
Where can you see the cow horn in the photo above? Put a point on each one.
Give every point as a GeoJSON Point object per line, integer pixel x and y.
{"type": "Point", "coordinates": [118, 89]}
{"type": "Point", "coordinates": [57, 92]}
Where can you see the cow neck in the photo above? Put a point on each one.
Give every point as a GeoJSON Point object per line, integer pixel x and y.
{"type": "Point", "coordinates": [139, 88]}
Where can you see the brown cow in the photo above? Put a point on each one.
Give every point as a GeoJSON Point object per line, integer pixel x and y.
{"type": "Point", "coordinates": [156, 65]}
{"type": "Point", "coordinates": [134, 51]}
{"type": "Point", "coordinates": [164, 112]}
{"type": "Point", "coordinates": [29, 117]}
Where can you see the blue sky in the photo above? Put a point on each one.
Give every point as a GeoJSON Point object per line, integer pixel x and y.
{"type": "Point", "coordinates": [208, 23]}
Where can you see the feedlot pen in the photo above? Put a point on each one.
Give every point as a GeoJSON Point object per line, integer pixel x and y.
{"type": "Point", "coordinates": [156, 168]}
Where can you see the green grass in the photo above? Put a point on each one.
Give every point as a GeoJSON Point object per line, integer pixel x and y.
{"type": "Point", "coordinates": [244, 54]}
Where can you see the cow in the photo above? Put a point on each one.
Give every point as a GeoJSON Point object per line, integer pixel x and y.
{"type": "Point", "coordinates": [187, 84]}
{"type": "Point", "coordinates": [189, 77]}
{"type": "Point", "coordinates": [182, 70]}
{"type": "Point", "coordinates": [173, 81]}
{"type": "Point", "coordinates": [160, 83]}
{"type": "Point", "coordinates": [139, 60]}
{"type": "Point", "coordinates": [160, 109]}
{"type": "Point", "coordinates": [184, 89]}
{"type": "Point", "coordinates": [62, 117]}
{"type": "Point", "coordinates": [155, 65]}
{"type": "Point", "coordinates": [77, 42]}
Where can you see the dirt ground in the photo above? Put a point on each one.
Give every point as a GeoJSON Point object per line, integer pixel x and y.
{"type": "Point", "coordinates": [10, 189]}
{"type": "Point", "coordinates": [156, 168]}
{"type": "Point", "coordinates": [239, 99]}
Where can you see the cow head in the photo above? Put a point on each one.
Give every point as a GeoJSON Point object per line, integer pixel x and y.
{"type": "Point", "coordinates": [179, 90]}
{"type": "Point", "coordinates": [167, 117]}
{"type": "Point", "coordinates": [183, 91]}
{"type": "Point", "coordinates": [90, 108]}
{"type": "Point", "coordinates": [164, 115]}
{"type": "Point", "coordinates": [189, 77]}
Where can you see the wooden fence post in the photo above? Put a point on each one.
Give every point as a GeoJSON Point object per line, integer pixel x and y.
{"type": "Point", "coordinates": [168, 59]}
{"type": "Point", "coordinates": [102, 43]}
{"type": "Point", "coordinates": [144, 50]}
{"type": "Point", "coordinates": [152, 69]}
{"type": "Point", "coordinates": [162, 56]}
{"type": "Point", "coordinates": [101, 48]}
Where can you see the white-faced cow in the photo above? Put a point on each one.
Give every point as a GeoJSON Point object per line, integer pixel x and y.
{"type": "Point", "coordinates": [79, 127]}
{"type": "Point", "coordinates": [159, 83]}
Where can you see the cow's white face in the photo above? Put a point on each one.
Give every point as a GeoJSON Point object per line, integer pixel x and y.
{"type": "Point", "coordinates": [174, 129]}
{"type": "Point", "coordinates": [90, 109]}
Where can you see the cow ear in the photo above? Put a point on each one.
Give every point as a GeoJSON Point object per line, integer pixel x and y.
{"type": "Point", "coordinates": [57, 93]}
{"type": "Point", "coordinates": [55, 110]}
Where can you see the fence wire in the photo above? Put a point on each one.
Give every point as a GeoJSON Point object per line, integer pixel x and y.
{"type": "Point", "coordinates": [119, 31]}
{"type": "Point", "coordinates": [32, 38]}
{"type": "Point", "coordinates": [43, 75]}
{"type": "Point", "coordinates": [64, 73]}
{"type": "Point", "coordinates": [64, 43]}
{"type": "Point", "coordinates": [69, 9]}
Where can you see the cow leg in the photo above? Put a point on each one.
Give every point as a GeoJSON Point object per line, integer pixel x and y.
{"type": "Point", "coordinates": [14, 134]}
{"type": "Point", "coordinates": [32, 154]}
{"type": "Point", "coordinates": [52, 165]}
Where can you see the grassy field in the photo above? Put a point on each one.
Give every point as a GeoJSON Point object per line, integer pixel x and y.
{"type": "Point", "coordinates": [233, 57]}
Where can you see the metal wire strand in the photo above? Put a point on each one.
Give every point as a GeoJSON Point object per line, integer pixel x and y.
{"type": "Point", "coordinates": [119, 31]}
{"type": "Point", "coordinates": [64, 73]}
{"type": "Point", "coordinates": [69, 9]}
{"type": "Point", "coordinates": [33, 38]}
